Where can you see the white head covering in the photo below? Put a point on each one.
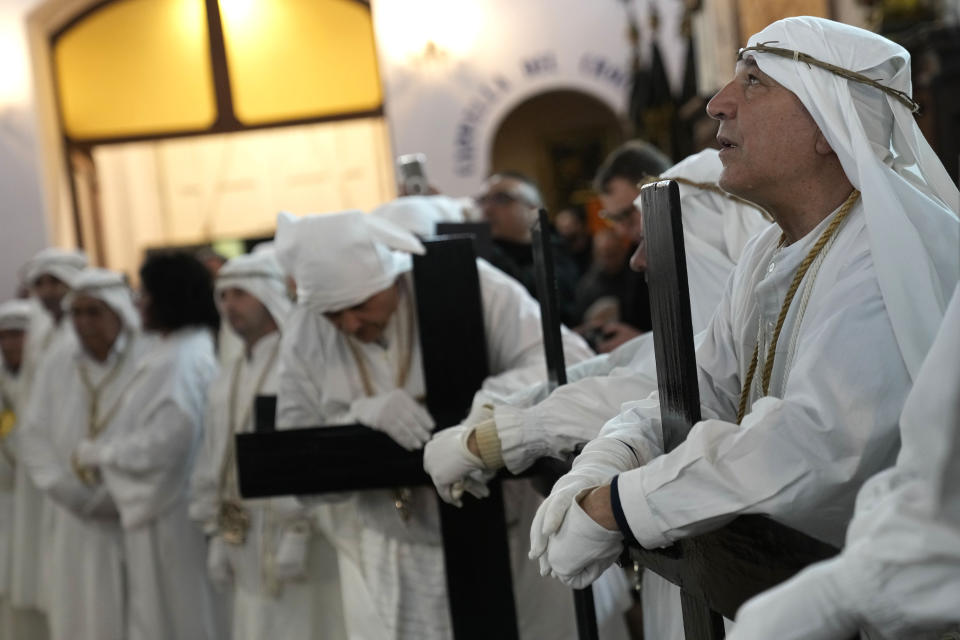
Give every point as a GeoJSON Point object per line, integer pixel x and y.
{"type": "Point", "coordinates": [260, 275]}
{"type": "Point", "coordinates": [110, 287]}
{"type": "Point", "coordinates": [420, 214]}
{"type": "Point", "coordinates": [909, 200]}
{"type": "Point", "coordinates": [341, 259]}
{"type": "Point", "coordinates": [62, 264]}
{"type": "Point", "coordinates": [15, 315]}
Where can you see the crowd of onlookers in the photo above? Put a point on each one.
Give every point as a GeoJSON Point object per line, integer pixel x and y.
{"type": "Point", "coordinates": [598, 292]}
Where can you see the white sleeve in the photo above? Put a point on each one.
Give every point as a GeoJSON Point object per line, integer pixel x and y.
{"type": "Point", "coordinates": [205, 479]}
{"type": "Point", "coordinates": [799, 459]}
{"type": "Point", "coordinates": [166, 438]}
{"type": "Point", "coordinates": [38, 454]}
{"type": "Point", "coordinates": [36, 448]}
{"type": "Point", "coordinates": [900, 568]}
{"type": "Point", "coordinates": [572, 415]}
{"type": "Point", "coordinates": [636, 433]}
{"type": "Point", "coordinates": [899, 573]}
{"type": "Point", "coordinates": [620, 359]}
{"type": "Point", "coordinates": [297, 393]}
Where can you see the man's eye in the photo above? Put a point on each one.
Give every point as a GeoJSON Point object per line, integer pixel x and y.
{"type": "Point", "coordinates": [752, 79]}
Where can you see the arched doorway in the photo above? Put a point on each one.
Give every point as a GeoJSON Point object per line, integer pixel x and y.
{"type": "Point", "coordinates": [558, 138]}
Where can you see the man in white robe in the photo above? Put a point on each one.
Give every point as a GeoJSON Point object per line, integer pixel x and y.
{"type": "Point", "coordinates": [899, 573]}
{"type": "Point", "coordinates": [14, 321]}
{"type": "Point", "coordinates": [48, 274]}
{"type": "Point", "coordinates": [529, 425]}
{"type": "Point", "coordinates": [858, 273]}
{"type": "Point", "coordinates": [350, 353]}
{"type": "Point", "coordinates": [146, 457]}
{"type": "Point", "coordinates": [91, 375]}
{"type": "Point", "coordinates": [265, 552]}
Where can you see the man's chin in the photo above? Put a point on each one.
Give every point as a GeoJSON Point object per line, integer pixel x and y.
{"type": "Point", "coordinates": [368, 335]}
{"type": "Point", "coordinates": [731, 185]}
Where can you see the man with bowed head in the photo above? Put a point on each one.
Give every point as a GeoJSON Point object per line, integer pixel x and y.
{"type": "Point", "coordinates": [351, 353]}
{"type": "Point", "coordinates": [823, 326]}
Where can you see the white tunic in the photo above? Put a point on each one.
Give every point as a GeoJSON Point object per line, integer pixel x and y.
{"type": "Point", "coordinates": [402, 560]}
{"type": "Point", "coordinates": [801, 454]}
{"type": "Point", "coordinates": [33, 517]}
{"type": "Point", "coordinates": [10, 392]}
{"type": "Point", "coordinates": [147, 460]}
{"type": "Point", "coordinates": [86, 594]}
{"type": "Point", "coordinates": [264, 605]}
{"type": "Point", "coordinates": [899, 572]}
{"type": "Point", "coordinates": [828, 423]}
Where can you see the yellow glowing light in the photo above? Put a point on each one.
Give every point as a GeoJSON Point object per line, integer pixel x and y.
{"type": "Point", "coordinates": [15, 78]}
{"type": "Point", "coordinates": [238, 10]}
{"type": "Point", "coordinates": [410, 29]}
{"type": "Point", "coordinates": [136, 67]}
{"type": "Point", "coordinates": [292, 59]}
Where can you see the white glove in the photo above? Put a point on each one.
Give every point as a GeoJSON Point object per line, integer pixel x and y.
{"type": "Point", "coordinates": [453, 468]}
{"type": "Point", "coordinates": [89, 454]}
{"type": "Point", "coordinates": [582, 549]}
{"type": "Point", "coordinates": [554, 508]}
{"type": "Point", "coordinates": [813, 605]}
{"type": "Point", "coordinates": [290, 561]}
{"type": "Point", "coordinates": [218, 564]}
{"type": "Point", "coordinates": [398, 415]}
{"type": "Point", "coordinates": [599, 462]}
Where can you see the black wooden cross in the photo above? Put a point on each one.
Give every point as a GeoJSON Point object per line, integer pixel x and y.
{"type": "Point", "coordinates": [718, 571]}
{"type": "Point", "coordinates": [557, 375]}
{"type": "Point", "coordinates": [344, 458]}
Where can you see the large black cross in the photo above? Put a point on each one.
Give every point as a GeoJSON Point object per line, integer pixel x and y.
{"type": "Point", "coordinates": [346, 458]}
{"type": "Point", "coordinates": [717, 572]}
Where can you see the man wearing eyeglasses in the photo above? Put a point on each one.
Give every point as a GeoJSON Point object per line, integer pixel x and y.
{"type": "Point", "coordinates": [509, 203]}
{"type": "Point", "coordinates": [616, 182]}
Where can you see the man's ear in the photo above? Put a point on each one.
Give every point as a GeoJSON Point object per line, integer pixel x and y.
{"type": "Point", "coordinates": [822, 146]}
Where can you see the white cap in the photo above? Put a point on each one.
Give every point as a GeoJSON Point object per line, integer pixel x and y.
{"type": "Point", "coordinates": [341, 259]}
{"type": "Point", "coordinates": [15, 315]}
{"type": "Point", "coordinates": [420, 214]}
{"type": "Point", "coordinates": [260, 275]}
{"type": "Point", "coordinates": [110, 287]}
{"type": "Point", "coordinates": [62, 264]}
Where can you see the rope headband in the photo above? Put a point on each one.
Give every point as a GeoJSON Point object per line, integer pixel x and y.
{"type": "Point", "coordinates": [797, 56]}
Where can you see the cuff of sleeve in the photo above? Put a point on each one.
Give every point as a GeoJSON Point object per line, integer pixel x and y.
{"type": "Point", "coordinates": [618, 514]}
{"type": "Point", "coordinates": [637, 514]}
{"type": "Point", "coordinates": [520, 437]}
{"type": "Point", "coordinates": [488, 442]}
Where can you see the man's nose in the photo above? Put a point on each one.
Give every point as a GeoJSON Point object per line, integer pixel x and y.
{"type": "Point", "coordinates": [721, 105]}
{"type": "Point", "coordinates": [638, 261]}
{"type": "Point", "coordinates": [349, 322]}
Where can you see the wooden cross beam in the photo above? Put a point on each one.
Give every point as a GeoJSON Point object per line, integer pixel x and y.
{"type": "Point", "coordinates": [716, 572]}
